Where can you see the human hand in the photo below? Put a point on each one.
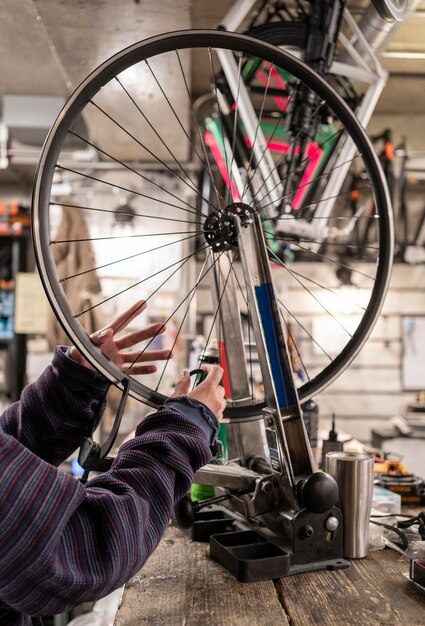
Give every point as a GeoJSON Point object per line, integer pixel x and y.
{"type": "Point", "coordinates": [209, 391]}
{"type": "Point", "coordinates": [116, 349]}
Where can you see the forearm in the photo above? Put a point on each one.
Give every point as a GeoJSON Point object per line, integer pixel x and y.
{"type": "Point", "coordinates": [73, 544]}
{"type": "Point", "coordinates": [57, 410]}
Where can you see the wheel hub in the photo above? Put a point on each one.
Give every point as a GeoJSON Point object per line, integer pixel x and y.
{"type": "Point", "coordinates": [220, 226]}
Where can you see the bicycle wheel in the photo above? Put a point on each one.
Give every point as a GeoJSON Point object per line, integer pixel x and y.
{"type": "Point", "coordinates": [134, 157]}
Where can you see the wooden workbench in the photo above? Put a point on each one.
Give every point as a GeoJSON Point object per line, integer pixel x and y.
{"type": "Point", "coordinates": [181, 586]}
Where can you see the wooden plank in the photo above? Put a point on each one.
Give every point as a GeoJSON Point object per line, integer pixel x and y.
{"type": "Point", "coordinates": [373, 591]}
{"type": "Point", "coordinates": [180, 585]}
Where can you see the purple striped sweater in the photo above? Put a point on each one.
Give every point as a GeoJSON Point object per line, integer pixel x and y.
{"type": "Point", "coordinates": [62, 543]}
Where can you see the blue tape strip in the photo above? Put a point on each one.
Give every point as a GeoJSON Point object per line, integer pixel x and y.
{"type": "Point", "coordinates": [282, 379]}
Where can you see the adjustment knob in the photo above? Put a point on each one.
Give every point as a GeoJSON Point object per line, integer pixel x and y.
{"type": "Point", "coordinates": [319, 492]}
{"type": "Point", "coordinates": [184, 512]}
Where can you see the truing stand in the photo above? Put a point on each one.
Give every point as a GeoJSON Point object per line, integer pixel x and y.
{"type": "Point", "coordinates": [283, 508]}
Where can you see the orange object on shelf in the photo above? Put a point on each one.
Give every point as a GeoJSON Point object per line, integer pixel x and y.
{"type": "Point", "coordinates": [9, 208]}
{"type": "Point", "coordinates": [389, 150]}
{"type": "Point", "coordinates": [393, 467]}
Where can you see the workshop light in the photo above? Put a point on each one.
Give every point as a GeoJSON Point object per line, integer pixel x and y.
{"type": "Point", "coordinates": [412, 55]}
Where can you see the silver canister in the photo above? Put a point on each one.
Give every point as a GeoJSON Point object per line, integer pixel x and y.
{"type": "Point", "coordinates": [353, 472]}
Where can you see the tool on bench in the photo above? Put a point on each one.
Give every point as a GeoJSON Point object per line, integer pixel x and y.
{"type": "Point", "coordinates": [392, 474]}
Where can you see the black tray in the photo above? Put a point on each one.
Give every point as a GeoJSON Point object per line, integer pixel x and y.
{"type": "Point", "coordinates": [248, 556]}
{"type": "Point", "coordinates": [209, 522]}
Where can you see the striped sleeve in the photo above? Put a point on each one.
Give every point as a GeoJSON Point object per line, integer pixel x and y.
{"type": "Point", "coordinates": [56, 411]}
{"type": "Point", "coordinates": [62, 543]}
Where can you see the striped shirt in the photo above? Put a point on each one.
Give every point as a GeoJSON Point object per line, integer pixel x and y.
{"type": "Point", "coordinates": [61, 542]}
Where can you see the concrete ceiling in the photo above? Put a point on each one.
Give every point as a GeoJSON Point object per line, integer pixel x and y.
{"type": "Point", "coordinates": [49, 46]}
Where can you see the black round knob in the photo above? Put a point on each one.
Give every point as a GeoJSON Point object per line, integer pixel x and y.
{"type": "Point", "coordinates": [306, 532]}
{"type": "Point", "coordinates": [184, 512]}
{"type": "Point", "coordinates": [319, 492]}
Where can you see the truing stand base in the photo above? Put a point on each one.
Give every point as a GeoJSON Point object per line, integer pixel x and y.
{"type": "Point", "coordinates": [251, 551]}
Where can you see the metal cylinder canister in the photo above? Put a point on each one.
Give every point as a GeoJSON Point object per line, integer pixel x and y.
{"type": "Point", "coordinates": [353, 472]}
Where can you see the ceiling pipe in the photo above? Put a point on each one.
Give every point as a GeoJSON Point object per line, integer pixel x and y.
{"type": "Point", "coordinates": [382, 19]}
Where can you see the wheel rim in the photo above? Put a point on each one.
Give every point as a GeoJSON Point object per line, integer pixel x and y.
{"type": "Point", "coordinates": [167, 44]}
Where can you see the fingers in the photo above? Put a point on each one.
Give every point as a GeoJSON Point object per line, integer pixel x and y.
{"type": "Point", "coordinates": [149, 355]}
{"type": "Point", "coordinates": [221, 410]}
{"type": "Point", "coordinates": [182, 386]}
{"type": "Point", "coordinates": [140, 335]}
{"type": "Point", "coordinates": [220, 392]}
{"type": "Point", "coordinates": [210, 392]}
{"type": "Point", "coordinates": [125, 318]}
{"type": "Point", "coordinates": [214, 374]}
{"type": "Point", "coordinates": [102, 336]}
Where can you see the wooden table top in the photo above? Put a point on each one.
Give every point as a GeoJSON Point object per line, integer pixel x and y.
{"type": "Point", "coordinates": [181, 586]}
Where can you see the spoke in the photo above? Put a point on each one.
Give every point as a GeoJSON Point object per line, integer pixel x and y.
{"type": "Point", "coordinates": [246, 301]}
{"type": "Point", "coordinates": [310, 280]}
{"type": "Point", "coordinates": [295, 274]}
{"type": "Point", "coordinates": [220, 112]}
{"type": "Point", "coordinates": [335, 261]}
{"type": "Point", "coordinates": [286, 153]}
{"type": "Point", "coordinates": [251, 376]}
{"type": "Point", "coordinates": [182, 262]}
{"type": "Point", "coordinates": [220, 329]}
{"type": "Point", "coordinates": [148, 216]}
{"type": "Point", "coordinates": [306, 332]}
{"type": "Point", "coordinates": [142, 145]}
{"type": "Point", "coordinates": [201, 137]}
{"type": "Point", "coordinates": [297, 168]}
{"type": "Point", "coordinates": [290, 239]}
{"type": "Point", "coordinates": [173, 313]}
{"type": "Point", "coordinates": [276, 126]}
{"type": "Point", "coordinates": [316, 202]}
{"type": "Point", "coordinates": [217, 310]}
{"type": "Point", "coordinates": [313, 181]}
{"type": "Point", "coordinates": [286, 239]}
{"type": "Point", "coordinates": [146, 300]}
{"type": "Point", "coordinates": [336, 218]}
{"type": "Point", "coordinates": [132, 256]}
{"type": "Point", "coordinates": [133, 191]}
{"type": "Point", "coordinates": [190, 295]}
{"type": "Point", "coordinates": [174, 113]}
{"type": "Point", "coordinates": [259, 118]}
{"type": "Point", "coordinates": [58, 241]}
{"type": "Point", "coordinates": [235, 124]}
{"type": "Point", "coordinates": [292, 341]}
{"type": "Point", "coordinates": [194, 210]}
{"type": "Point", "coordinates": [193, 185]}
